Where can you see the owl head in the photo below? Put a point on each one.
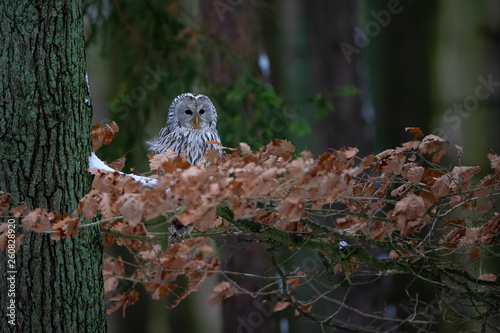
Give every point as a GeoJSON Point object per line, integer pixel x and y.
{"type": "Point", "coordinates": [193, 112]}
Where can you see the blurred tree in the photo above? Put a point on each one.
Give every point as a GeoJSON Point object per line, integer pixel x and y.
{"type": "Point", "coordinates": [399, 40]}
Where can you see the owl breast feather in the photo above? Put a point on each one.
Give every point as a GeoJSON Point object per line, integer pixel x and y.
{"type": "Point", "coordinates": [186, 142]}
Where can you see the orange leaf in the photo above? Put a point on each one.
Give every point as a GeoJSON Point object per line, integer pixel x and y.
{"type": "Point", "coordinates": [474, 253]}
{"type": "Point", "coordinates": [416, 131]}
{"type": "Point", "coordinates": [103, 135]}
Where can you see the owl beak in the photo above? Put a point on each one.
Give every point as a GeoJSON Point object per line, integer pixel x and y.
{"type": "Point", "coordinates": [196, 124]}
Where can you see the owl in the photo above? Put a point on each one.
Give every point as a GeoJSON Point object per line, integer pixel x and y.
{"type": "Point", "coordinates": [191, 123]}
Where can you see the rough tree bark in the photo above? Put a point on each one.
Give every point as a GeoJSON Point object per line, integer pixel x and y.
{"type": "Point", "coordinates": [45, 141]}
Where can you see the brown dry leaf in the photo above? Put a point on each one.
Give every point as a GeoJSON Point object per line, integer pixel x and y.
{"type": "Point", "coordinates": [157, 160]}
{"type": "Point", "coordinates": [465, 173]}
{"type": "Point", "coordinates": [109, 239]}
{"type": "Point", "coordinates": [4, 238]}
{"type": "Point", "coordinates": [349, 152]}
{"type": "Point", "coordinates": [490, 230]}
{"type": "Point", "coordinates": [416, 131]}
{"type": "Point", "coordinates": [159, 284]}
{"type": "Point", "coordinates": [436, 158]}
{"type": "Point", "coordinates": [441, 186]}
{"type": "Point", "coordinates": [89, 204]}
{"type": "Point", "coordinates": [411, 145]}
{"type": "Point", "coordinates": [409, 212]}
{"type": "Point", "coordinates": [131, 207]}
{"type": "Point", "coordinates": [18, 211]}
{"type": "Point", "coordinates": [4, 203]}
{"type": "Point", "coordinates": [495, 161]}
{"type": "Point", "coordinates": [488, 277]}
{"type": "Point", "coordinates": [399, 191]}
{"type": "Point", "coordinates": [245, 149]}
{"type": "Point", "coordinates": [212, 155]}
{"type": "Point", "coordinates": [368, 161]}
{"type": "Point", "coordinates": [118, 164]}
{"type": "Point", "coordinates": [113, 266]}
{"type": "Point", "coordinates": [123, 300]}
{"type": "Point", "coordinates": [430, 143]}
{"type": "Point", "coordinates": [292, 206]}
{"type": "Point", "coordinates": [474, 254]}
{"type": "Point", "coordinates": [390, 161]}
{"type": "Point", "coordinates": [38, 220]}
{"type": "Point", "coordinates": [222, 291]}
{"type": "Point", "coordinates": [110, 284]}
{"type": "Point", "coordinates": [413, 172]}
{"type": "Point", "coordinates": [67, 227]}
{"type": "Point", "coordinates": [306, 308]}
{"type": "Point", "coordinates": [212, 142]}
{"type": "Point", "coordinates": [280, 306]}
{"type": "Point", "coordinates": [103, 135]}
{"type": "Point", "coordinates": [294, 283]}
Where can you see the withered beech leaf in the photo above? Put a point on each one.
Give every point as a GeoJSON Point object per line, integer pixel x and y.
{"type": "Point", "coordinates": [18, 211]}
{"type": "Point", "coordinates": [409, 212]}
{"type": "Point", "coordinates": [280, 306]}
{"type": "Point", "coordinates": [495, 161]}
{"type": "Point", "coordinates": [103, 135]}
{"type": "Point", "coordinates": [431, 143]}
{"type": "Point", "coordinates": [157, 160]}
{"type": "Point", "coordinates": [441, 186]}
{"type": "Point", "coordinates": [245, 149]}
{"type": "Point", "coordinates": [436, 158]}
{"type": "Point", "coordinates": [413, 173]}
{"type": "Point", "coordinates": [292, 206]}
{"type": "Point", "coordinates": [415, 130]}
{"type": "Point", "coordinates": [118, 164]}
{"type": "Point", "coordinates": [487, 277]}
{"type": "Point", "coordinates": [222, 291]}
{"type": "Point", "coordinates": [212, 155]}
{"type": "Point", "coordinates": [474, 254]}
{"type": "Point", "coordinates": [4, 203]}
{"type": "Point", "coordinates": [131, 207]}
{"type": "Point", "coordinates": [123, 301]}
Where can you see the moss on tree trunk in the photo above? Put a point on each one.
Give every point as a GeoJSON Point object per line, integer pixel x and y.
{"type": "Point", "coordinates": [45, 141]}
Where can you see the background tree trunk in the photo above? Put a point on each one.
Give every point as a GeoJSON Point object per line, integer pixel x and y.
{"type": "Point", "coordinates": [45, 142]}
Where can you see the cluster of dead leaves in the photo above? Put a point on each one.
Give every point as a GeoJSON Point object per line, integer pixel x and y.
{"type": "Point", "coordinates": [159, 269]}
{"type": "Point", "coordinates": [399, 190]}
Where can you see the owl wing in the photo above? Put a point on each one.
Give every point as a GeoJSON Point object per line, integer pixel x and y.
{"type": "Point", "coordinates": [158, 144]}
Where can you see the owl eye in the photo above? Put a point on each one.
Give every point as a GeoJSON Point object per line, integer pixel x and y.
{"type": "Point", "coordinates": [202, 111]}
{"type": "Point", "coordinates": [188, 112]}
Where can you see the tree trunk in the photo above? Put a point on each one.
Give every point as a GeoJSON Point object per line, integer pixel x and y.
{"type": "Point", "coordinates": [45, 131]}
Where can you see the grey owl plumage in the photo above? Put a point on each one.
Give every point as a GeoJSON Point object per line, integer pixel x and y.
{"type": "Point", "coordinates": [191, 122]}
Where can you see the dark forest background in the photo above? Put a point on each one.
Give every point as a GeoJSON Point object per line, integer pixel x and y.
{"type": "Point", "coordinates": [324, 74]}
